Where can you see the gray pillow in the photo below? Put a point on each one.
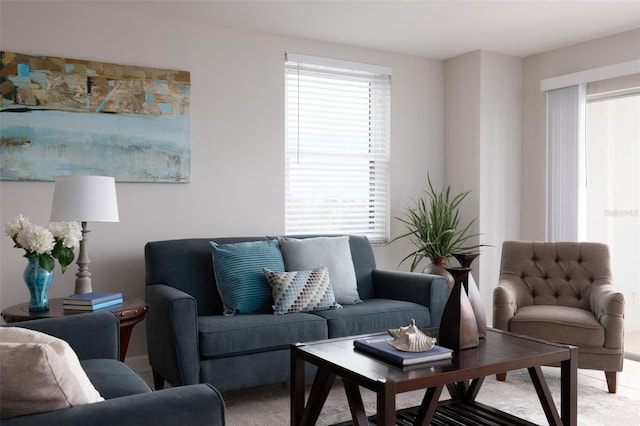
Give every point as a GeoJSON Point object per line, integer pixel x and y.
{"type": "Point", "coordinates": [333, 253]}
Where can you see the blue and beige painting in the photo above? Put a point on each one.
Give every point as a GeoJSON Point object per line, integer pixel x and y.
{"type": "Point", "coordinates": [67, 116]}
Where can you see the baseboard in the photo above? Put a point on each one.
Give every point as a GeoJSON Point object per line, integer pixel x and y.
{"type": "Point", "coordinates": [139, 363]}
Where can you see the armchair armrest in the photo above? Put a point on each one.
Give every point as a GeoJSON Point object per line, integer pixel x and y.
{"type": "Point", "coordinates": [607, 304]}
{"type": "Point", "coordinates": [91, 335]}
{"type": "Point", "coordinates": [186, 405]}
{"type": "Point", "coordinates": [505, 304]}
{"type": "Point", "coordinates": [172, 334]}
{"type": "Point", "coordinates": [425, 289]}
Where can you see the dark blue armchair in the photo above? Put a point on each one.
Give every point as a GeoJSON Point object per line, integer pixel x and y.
{"type": "Point", "coordinates": [128, 398]}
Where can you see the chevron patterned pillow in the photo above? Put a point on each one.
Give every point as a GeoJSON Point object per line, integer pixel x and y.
{"type": "Point", "coordinates": [301, 291]}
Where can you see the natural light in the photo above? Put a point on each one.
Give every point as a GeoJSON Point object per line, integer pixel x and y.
{"type": "Point", "coordinates": [613, 197]}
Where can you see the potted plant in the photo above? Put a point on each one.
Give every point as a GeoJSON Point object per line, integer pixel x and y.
{"type": "Point", "coordinates": [433, 226]}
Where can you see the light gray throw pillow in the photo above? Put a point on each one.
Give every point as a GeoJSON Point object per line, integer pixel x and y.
{"type": "Point", "coordinates": [333, 253]}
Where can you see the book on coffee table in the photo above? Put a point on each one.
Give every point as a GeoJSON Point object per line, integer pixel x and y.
{"type": "Point", "coordinates": [379, 346]}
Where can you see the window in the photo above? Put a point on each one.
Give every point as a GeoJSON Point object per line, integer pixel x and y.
{"type": "Point", "coordinates": [337, 147]}
{"type": "Point", "coordinates": [613, 192]}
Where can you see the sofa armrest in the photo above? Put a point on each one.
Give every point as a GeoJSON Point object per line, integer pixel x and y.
{"type": "Point", "coordinates": [186, 405]}
{"type": "Point", "coordinates": [425, 289]}
{"type": "Point", "coordinates": [91, 335]}
{"type": "Point", "coordinates": [607, 304]}
{"type": "Point", "coordinates": [172, 334]}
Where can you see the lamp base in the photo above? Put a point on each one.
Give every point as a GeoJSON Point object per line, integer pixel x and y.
{"type": "Point", "coordinates": [83, 286]}
{"type": "Point", "coordinates": [83, 276]}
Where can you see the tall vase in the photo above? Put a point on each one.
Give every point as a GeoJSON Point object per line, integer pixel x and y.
{"type": "Point", "coordinates": [438, 266]}
{"type": "Point", "coordinates": [458, 327]}
{"type": "Point", "coordinates": [473, 293]}
{"type": "Point", "coordinates": [39, 281]}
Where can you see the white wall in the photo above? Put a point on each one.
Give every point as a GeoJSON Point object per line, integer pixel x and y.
{"type": "Point", "coordinates": [483, 105]}
{"type": "Point", "coordinates": [597, 53]}
{"type": "Point", "coordinates": [237, 141]}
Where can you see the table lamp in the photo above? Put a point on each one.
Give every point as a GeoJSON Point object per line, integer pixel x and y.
{"type": "Point", "coordinates": [84, 199]}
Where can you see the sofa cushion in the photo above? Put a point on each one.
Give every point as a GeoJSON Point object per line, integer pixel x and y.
{"type": "Point", "coordinates": [374, 315]}
{"type": "Point", "coordinates": [563, 324]}
{"type": "Point", "coordinates": [40, 373]}
{"type": "Point", "coordinates": [113, 378]}
{"type": "Point", "coordinates": [239, 274]}
{"type": "Point", "coordinates": [301, 291]}
{"type": "Point", "coordinates": [221, 336]}
{"type": "Point", "coordinates": [331, 252]}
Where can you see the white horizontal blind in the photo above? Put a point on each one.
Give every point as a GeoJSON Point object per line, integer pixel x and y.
{"type": "Point", "coordinates": [337, 148]}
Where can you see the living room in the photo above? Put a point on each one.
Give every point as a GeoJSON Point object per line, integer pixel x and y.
{"type": "Point", "coordinates": [474, 111]}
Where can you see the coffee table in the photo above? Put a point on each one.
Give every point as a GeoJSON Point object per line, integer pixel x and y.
{"type": "Point", "coordinates": [501, 351]}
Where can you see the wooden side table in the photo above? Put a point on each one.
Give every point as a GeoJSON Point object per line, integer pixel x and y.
{"type": "Point", "coordinates": [130, 312]}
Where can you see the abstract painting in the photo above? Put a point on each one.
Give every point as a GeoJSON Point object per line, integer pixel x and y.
{"type": "Point", "coordinates": [69, 116]}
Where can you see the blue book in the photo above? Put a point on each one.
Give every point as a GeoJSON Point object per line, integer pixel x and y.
{"type": "Point", "coordinates": [93, 298]}
{"type": "Point", "coordinates": [92, 307]}
{"type": "Point", "coordinates": [379, 346]}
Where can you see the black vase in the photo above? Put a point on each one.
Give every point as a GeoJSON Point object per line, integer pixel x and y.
{"type": "Point", "coordinates": [473, 293]}
{"type": "Point", "coordinates": [458, 328]}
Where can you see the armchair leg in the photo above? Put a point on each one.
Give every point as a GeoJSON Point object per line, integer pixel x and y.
{"type": "Point", "coordinates": [612, 381]}
{"type": "Point", "coordinates": [158, 380]}
{"type": "Point", "coordinates": [501, 377]}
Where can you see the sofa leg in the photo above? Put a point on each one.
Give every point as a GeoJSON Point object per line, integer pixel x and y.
{"type": "Point", "coordinates": [158, 380]}
{"type": "Point", "coordinates": [501, 377]}
{"type": "Point", "coordinates": [612, 381]}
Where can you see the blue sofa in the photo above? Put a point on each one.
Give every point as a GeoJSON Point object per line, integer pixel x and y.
{"type": "Point", "coordinates": [129, 400]}
{"type": "Point", "coordinates": [191, 341]}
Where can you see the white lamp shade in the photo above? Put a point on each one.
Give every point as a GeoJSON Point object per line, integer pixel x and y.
{"type": "Point", "coordinates": [85, 199]}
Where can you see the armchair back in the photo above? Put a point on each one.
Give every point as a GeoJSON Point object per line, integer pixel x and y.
{"type": "Point", "coordinates": [555, 273]}
{"type": "Point", "coordinates": [186, 264]}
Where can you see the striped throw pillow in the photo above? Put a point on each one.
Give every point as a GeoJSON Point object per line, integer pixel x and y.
{"type": "Point", "coordinates": [238, 269]}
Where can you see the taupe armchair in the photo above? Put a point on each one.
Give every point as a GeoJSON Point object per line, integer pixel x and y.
{"type": "Point", "coordinates": [563, 292]}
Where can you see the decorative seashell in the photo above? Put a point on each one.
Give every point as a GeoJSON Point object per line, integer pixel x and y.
{"type": "Point", "coordinates": [411, 339]}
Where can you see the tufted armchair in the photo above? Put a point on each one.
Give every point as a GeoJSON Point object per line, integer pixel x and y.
{"type": "Point", "coordinates": [563, 292]}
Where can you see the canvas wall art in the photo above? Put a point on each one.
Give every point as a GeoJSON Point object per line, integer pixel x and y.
{"type": "Point", "coordinates": [68, 116]}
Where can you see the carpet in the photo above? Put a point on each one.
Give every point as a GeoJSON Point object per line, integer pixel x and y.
{"type": "Point", "coordinates": [269, 405]}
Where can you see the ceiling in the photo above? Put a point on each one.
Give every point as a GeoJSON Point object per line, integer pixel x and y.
{"type": "Point", "coordinates": [433, 29]}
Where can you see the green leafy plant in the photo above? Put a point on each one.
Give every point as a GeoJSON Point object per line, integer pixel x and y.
{"type": "Point", "coordinates": [433, 226]}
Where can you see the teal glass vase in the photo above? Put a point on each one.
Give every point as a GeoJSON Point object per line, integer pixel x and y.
{"type": "Point", "coordinates": [38, 281]}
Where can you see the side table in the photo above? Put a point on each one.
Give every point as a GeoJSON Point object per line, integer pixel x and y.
{"type": "Point", "coordinates": [130, 312]}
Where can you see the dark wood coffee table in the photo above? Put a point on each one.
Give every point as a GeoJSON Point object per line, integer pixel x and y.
{"type": "Point", "coordinates": [463, 375]}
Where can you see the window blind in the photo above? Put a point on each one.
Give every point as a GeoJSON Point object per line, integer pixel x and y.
{"type": "Point", "coordinates": [337, 147]}
{"type": "Point", "coordinates": [565, 163]}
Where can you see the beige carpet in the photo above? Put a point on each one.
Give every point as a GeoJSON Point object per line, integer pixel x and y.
{"type": "Point", "coordinates": [269, 405]}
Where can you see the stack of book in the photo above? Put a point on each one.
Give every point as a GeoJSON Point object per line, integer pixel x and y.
{"type": "Point", "coordinates": [92, 301]}
{"type": "Point", "coordinates": [379, 347]}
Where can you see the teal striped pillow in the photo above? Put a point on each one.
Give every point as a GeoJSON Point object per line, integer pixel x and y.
{"type": "Point", "coordinates": [238, 269]}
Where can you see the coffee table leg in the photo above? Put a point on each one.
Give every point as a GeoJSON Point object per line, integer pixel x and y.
{"type": "Point", "coordinates": [544, 395]}
{"type": "Point", "coordinates": [569, 389]}
{"type": "Point", "coordinates": [297, 388]}
{"type": "Point", "coordinates": [386, 404]}
{"type": "Point", "coordinates": [320, 388]}
{"type": "Point", "coordinates": [429, 404]}
{"type": "Point", "coordinates": [356, 406]}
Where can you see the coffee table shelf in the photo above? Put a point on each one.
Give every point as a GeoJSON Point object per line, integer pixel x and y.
{"type": "Point", "coordinates": [453, 412]}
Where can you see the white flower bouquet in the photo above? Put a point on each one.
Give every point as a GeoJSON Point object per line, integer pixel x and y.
{"type": "Point", "coordinates": [47, 244]}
